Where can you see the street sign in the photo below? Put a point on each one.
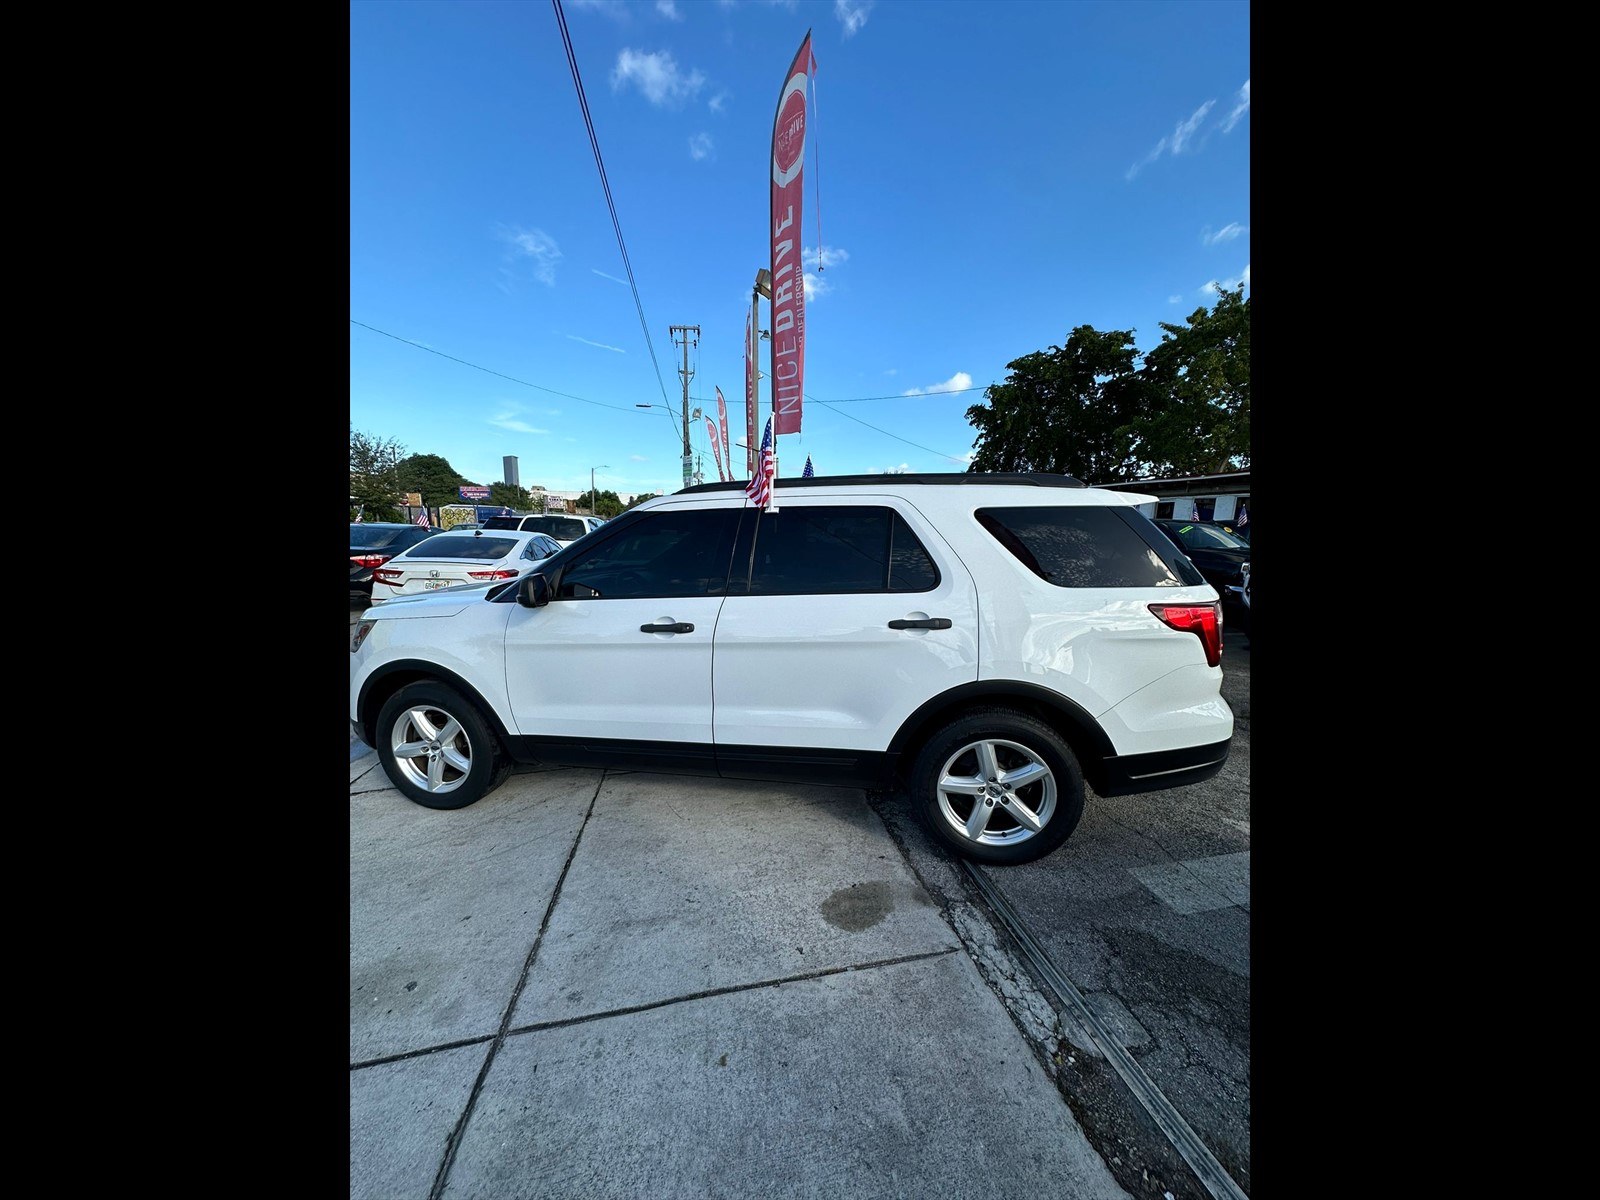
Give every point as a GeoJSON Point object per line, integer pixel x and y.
{"type": "Point", "coordinates": [473, 492]}
{"type": "Point", "coordinates": [414, 499]}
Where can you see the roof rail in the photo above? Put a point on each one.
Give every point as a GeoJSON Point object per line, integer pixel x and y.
{"type": "Point", "coordinates": [961, 478]}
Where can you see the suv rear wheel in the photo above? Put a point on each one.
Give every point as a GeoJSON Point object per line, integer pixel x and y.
{"type": "Point", "coordinates": [998, 786]}
{"type": "Point", "coordinates": [437, 748]}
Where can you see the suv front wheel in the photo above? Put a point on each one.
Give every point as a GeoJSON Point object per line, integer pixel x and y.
{"type": "Point", "coordinates": [998, 786]}
{"type": "Point", "coordinates": [437, 748]}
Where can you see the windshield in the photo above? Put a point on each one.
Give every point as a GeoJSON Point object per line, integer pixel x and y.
{"type": "Point", "coordinates": [1208, 537]}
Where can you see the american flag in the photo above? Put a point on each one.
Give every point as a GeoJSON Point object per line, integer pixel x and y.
{"type": "Point", "coordinates": [759, 489]}
{"type": "Point", "coordinates": [1194, 512]}
{"type": "Point", "coordinates": [504, 511]}
{"type": "Point", "coordinates": [1244, 517]}
{"type": "Point", "coordinates": [422, 519]}
{"type": "Point", "coordinates": [358, 517]}
{"type": "Point", "coordinates": [808, 473]}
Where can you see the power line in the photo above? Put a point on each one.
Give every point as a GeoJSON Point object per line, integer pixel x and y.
{"type": "Point", "coordinates": [486, 370]}
{"type": "Point", "coordinates": [618, 408]}
{"type": "Point", "coordinates": [605, 184]}
{"type": "Point", "coordinates": [912, 396]}
{"type": "Point", "coordinates": [885, 432]}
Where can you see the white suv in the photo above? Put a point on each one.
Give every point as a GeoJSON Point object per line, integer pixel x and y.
{"type": "Point", "coordinates": [990, 642]}
{"type": "Point", "coordinates": [564, 529]}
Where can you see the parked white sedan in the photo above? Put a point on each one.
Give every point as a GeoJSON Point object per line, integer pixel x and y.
{"type": "Point", "coordinates": [471, 558]}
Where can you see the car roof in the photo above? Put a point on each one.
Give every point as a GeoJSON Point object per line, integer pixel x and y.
{"type": "Point", "coordinates": [940, 490]}
{"type": "Point", "coordinates": [917, 479]}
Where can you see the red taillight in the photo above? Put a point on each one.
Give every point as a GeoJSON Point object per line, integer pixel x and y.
{"type": "Point", "coordinates": [370, 560]}
{"type": "Point", "coordinates": [1202, 620]}
{"type": "Point", "coordinates": [501, 574]}
{"type": "Point", "coordinates": [387, 574]}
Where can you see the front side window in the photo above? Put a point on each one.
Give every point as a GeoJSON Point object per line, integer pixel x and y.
{"type": "Point", "coordinates": [1081, 546]}
{"type": "Point", "coordinates": [833, 548]}
{"type": "Point", "coordinates": [664, 554]}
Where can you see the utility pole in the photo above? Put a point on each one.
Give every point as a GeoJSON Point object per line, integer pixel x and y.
{"type": "Point", "coordinates": [688, 455]}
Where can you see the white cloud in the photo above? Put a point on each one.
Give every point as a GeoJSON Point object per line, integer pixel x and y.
{"type": "Point", "coordinates": [537, 245]}
{"type": "Point", "coordinates": [701, 146]}
{"type": "Point", "coordinates": [656, 75]}
{"type": "Point", "coordinates": [892, 371]}
{"type": "Point", "coordinates": [852, 14]}
{"type": "Point", "coordinates": [1174, 299]}
{"type": "Point", "coordinates": [637, 458]}
{"type": "Point", "coordinates": [669, 10]}
{"type": "Point", "coordinates": [816, 286]}
{"type": "Point", "coordinates": [1182, 135]}
{"type": "Point", "coordinates": [613, 278]}
{"type": "Point", "coordinates": [615, 10]}
{"type": "Point", "coordinates": [509, 420]}
{"type": "Point", "coordinates": [716, 103]}
{"type": "Point", "coordinates": [599, 345]}
{"type": "Point", "coordinates": [960, 381]}
{"type": "Point", "coordinates": [1240, 107]}
{"type": "Point", "coordinates": [1226, 234]}
{"type": "Point", "coordinates": [829, 256]}
{"type": "Point", "coordinates": [1213, 286]}
{"type": "Point", "coordinates": [1179, 140]}
{"type": "Point", "coordinates": [902, 469]}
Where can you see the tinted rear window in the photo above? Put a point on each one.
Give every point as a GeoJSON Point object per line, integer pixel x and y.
{"type": "Point", "coordinates": [502, 523]}
{"type": "Point", "coordinates": [374, 535]}
{"type": "Point", "coordinates": [1081, 546]}
{"type": "Point", "coordinates": [464, 545]}
{"type": "Point", "coordinates": [566, 528]}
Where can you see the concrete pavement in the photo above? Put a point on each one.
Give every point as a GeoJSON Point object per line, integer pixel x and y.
{"type": "Point", "coordinates": [606, 984]}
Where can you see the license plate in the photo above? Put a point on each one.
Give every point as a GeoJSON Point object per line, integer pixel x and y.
{"type": "Point", "coordinates": [429, 584]}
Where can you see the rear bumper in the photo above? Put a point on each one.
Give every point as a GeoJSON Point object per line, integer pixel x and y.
{"type": "Point", "coordinates": [1134, 773]}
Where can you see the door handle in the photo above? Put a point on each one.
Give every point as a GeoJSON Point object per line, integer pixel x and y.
{"type": "Point", "coordinates": [674, 627]}
{"type": "Point", "coordinates": [926, 623]}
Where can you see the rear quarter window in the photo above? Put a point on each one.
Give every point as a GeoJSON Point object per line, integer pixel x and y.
{"type": "Point", "coordinates": [1085, 546]}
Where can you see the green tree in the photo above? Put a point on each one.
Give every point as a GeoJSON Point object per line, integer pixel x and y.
{"type": "Point", "coordinates": [374, 481]}
{"type": "Point", "coordinates": [435, 478]}
{"type": "Point", "coordinates": [1201, 371]}
{"type": "Point", "coordinates": [640, 499]}
{"type": "Point", "coordinates": [1076, 410]}
{"type": "Point", "coordinates": [605, 504]}
{"type": "Point", "coordinates": [510, 495]}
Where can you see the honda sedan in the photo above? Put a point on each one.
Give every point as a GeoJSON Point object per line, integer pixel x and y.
{"type": "Point", "coordinates": [474, 558]}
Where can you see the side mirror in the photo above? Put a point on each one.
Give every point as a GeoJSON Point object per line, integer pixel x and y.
{"type": "Point", "coordinates": [534, 591]}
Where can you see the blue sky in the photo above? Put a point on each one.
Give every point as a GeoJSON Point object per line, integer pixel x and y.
{"type": "Point", "coordinates": [981, 179]}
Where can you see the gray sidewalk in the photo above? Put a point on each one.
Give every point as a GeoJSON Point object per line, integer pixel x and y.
{"type": "Point", "coordinates": [602, 984]}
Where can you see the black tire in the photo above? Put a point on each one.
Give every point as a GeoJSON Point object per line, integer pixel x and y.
{"type": "Point", "coordinates": [976, 760]}
{"type": "Point", "coordinates": [437, 748]}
